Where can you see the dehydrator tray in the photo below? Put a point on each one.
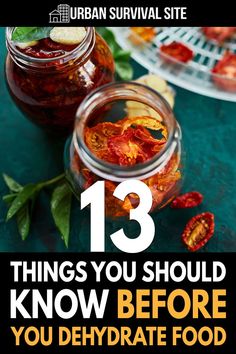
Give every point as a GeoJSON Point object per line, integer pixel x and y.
{"type": "Point", "coordinates": [195, 75]}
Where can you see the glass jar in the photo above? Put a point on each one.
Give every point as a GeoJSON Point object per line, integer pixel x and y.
{"type": "Point", "coordinates": [49, 90]}
{"type": "Point", "coordinates": [162, 173]}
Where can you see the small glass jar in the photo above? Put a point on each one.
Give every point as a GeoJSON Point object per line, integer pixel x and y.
{"type": "Point", "coordinates": [49, 90]}
{"type": "Point", "coordinates": [162, 173]}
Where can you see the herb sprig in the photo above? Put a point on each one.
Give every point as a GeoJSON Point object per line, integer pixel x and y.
{"type": "Point", "coordinates": [21, 201]}
{"type": "Point", "coordinates": [28, 34]}
{"type": "Point", "coordinates": [123, 67]}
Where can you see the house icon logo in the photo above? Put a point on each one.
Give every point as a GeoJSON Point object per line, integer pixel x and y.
{"type": "Point", "coordinates": [60, 15]}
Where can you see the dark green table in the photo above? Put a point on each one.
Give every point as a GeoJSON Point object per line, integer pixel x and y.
{"type": "Point", "coordinates": [209, 132]}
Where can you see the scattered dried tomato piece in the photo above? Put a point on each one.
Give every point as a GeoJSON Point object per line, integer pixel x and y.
{"type": "Point", "coordinates": [187, 200]}
{"type": "Point", "coordinates": [198, 231]}
{"type": "Point", "coordinates": [219, 34]}
{"type": "Point", "coordinates": [178, 51]}
{"type": "Point", "coordinates": [226, 69]}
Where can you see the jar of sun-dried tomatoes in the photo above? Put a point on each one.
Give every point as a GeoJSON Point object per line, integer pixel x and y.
{"type": "Point", "coordinates": [126, 131]}
{"type": "Point", "coordinates": [48, 80]}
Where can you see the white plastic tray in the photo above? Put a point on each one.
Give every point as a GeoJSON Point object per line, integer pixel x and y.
{"type": "Point", "coordinates": [196, 75]}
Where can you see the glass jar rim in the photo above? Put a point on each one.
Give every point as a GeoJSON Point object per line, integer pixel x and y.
{"type": "Point", "coordinates": [26, 59]}
{"type": "Point", "coordinates": [114, 171]}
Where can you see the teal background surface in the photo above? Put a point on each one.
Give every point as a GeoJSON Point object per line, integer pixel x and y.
{"type": "Point", "coordinates": [209, 132]}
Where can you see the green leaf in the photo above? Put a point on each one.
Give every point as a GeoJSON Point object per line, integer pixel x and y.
{"type": "Point", "coordinates": [21, 203]}
{"type": "Point", "coordinates": [28, 34]}
{"type": "Point", "coordinates": [8, 198]}
{"type": "Point", "coordinates": [28, 192]}
{"type": "Point", "coordinates": [122, 55]}
{"type": "Point", "coordinates": [12, 184]}
{"type": "Point", "coordinates": [110, 39]}
{"type": "Point", "coordinates": [23, 220]}
{"type": "Point", "coordinates": [124, 70]}
{"type": "Point", "coordinates": [61, 207]}
{"type": "Point", "coordinates": [105, 33]}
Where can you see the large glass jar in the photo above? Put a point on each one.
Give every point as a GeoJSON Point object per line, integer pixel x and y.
{"type": "Point", "coordinates": [115, 103]}
{"type": "Point", "coordinates": [49, 90]}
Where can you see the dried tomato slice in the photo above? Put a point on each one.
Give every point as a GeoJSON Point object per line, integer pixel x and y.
{"type": "Point", "coordinates": [169, 175]}
{"type": "Point", "coordinates": [96, 139]}
{"type": "Point", "coordinates": [149, 144]}
{"type": "Point", "coordinates": [198, 231]}
{"type": "Point", "coordinates": [226, 69]}
{"type": "Point", "coordinates": [88, 176]}
{"type": "Point", "coordinates": [144, 121]}
{"type": "Point", "coordinates": [127, 141]}
{"type": "Point", "coordinates": [128, 151]}
{"type": "Point", "coordinates": [75, 163]}
{"type": "Point", "coordinates": [142, 34]}
{"type": "Point", "coordinates": [171, 166]}
{"type": "Point", "coordinates": [219, 34]}
{"type": "Point", "coordinates": [187, 200]}
{"type": "Point", "coordinates": [178, 51]}
{"type": "Point", "coordinates": [110, 186]}
{"type": "Point", "coordinates": [144, 135]}
{"type": "Point", "coordinates": [116, 207]}
{"type": "Point", "coordinates": [166, 182]}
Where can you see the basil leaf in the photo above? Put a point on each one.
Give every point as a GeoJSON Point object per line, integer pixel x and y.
{"type": "Point", "coordinates": [105, 33]}
{"type": "Point", "coordinates": [28, 192]}
{"type": "Point", "coordinates": [12, 184]}
{"type": "Point", "coordinates": [23, 220]}
{"type": "Point", "coordinates": [8, 198]}
{"type": "Point", "coordinates": [122, 55]}
{"type": "Point", "coordinates": [28, 34]}
{"type": "Point", "coordinates": [60, 208]}
{"type": "Point", "coordinates": [109, 37]}
{"type": "Point", "coordinates": [124, 70]}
